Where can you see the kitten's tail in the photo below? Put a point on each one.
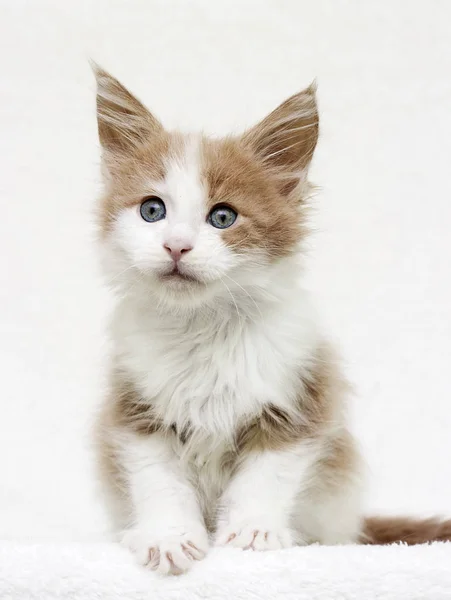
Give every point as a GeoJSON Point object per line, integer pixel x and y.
{"type": "Point", "coordinates": [389, 530]}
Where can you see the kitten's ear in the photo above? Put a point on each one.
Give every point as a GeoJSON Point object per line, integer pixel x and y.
{"type": "Point", "coordinates": [123, 121]}
{"type": "Point", "coordinates": [286, 139]}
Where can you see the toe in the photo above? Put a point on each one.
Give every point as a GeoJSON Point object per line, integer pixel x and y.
{"type": "Point", "coordinates": [262, 541]}
{"type": "Point", "coordinates": [244, 539]}
{"type": "Point", "coordinates": [193, 551]}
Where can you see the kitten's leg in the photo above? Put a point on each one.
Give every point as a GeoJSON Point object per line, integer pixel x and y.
{"type": "Point", "coordinates": [330, 512]}
{"type": "Point", "coordinates": [167, 531]}
{"type": "Point", "coordinates": [255, 508]}
{"type": "Point", "coordinates": [262, 509]}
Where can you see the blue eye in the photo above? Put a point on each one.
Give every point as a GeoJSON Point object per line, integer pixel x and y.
{"type": "Point", "coordinates": [153, 209]}
{"type": "Point", "coordinates": [222, 217]}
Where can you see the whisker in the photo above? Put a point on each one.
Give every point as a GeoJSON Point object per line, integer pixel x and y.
{"type": "Point", "coordinates": [246, 292]}
{"type": "Point", "coordinates": [233, 299]}
{"type": "Point", "coordinates": [110, 281]}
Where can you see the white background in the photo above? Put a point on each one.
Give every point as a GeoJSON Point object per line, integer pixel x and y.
{"type": "Point", "coordinates": [380, 257]}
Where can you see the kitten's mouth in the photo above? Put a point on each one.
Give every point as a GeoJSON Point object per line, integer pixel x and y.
{"type": "Point", "coordinates": [175, 275]}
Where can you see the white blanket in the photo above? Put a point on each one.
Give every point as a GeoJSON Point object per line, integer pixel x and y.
{"type": "Point", "coordinates": [106, 571]}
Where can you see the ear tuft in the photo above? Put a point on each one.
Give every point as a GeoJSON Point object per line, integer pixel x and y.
{"type": "Point", "coordinates": [123, 121]}
{"type": "Point", "coordinates": [286, 139]}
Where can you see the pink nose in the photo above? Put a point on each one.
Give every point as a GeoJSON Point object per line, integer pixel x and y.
{"type": "Point", "coordinates": [177, 250]}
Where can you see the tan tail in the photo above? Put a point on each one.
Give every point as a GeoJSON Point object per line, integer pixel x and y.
{"type": "Point", "coordinates": [388, 530]}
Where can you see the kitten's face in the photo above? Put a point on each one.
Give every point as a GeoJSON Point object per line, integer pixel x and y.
{"type": "Point", "coordinates": [194, 219]}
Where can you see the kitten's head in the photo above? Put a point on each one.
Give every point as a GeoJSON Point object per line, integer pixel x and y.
{"type": "Point", "coordinates": [193, 219]}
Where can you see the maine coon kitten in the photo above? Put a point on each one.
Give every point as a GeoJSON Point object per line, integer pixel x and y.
{"type": "Point", "coordinates": [226, 416]}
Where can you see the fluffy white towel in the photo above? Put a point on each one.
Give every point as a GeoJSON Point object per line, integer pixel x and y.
{"type": "Point", "coordinates": [107, 572]}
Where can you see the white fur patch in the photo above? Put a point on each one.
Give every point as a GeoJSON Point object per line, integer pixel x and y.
{"type": "Point", "coordinates": [261, 498]}
{"type": "Point", "coordinates": [166, 531]}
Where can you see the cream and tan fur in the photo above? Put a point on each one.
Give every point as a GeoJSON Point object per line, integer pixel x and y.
{"type": "Point", "coordinates": [225, 421]}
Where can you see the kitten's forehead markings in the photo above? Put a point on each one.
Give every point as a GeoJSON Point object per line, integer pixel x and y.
{"type": "Point", "coordinates": [183, 183]}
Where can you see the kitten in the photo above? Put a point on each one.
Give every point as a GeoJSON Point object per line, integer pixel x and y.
{"type": "Point", "coordinates": [226, 415]}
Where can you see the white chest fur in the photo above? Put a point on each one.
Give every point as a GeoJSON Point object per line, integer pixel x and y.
{"type": "Point", "coordinates": [212, 370]}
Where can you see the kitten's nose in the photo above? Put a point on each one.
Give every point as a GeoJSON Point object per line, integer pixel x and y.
{"type": "Point", "coordinates": [177, 249]}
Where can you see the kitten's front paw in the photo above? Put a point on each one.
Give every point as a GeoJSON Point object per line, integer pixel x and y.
{"type": "Point", "coordinates": [254, 536]}
{"type": "Point", "coordinates": [170, 554]}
